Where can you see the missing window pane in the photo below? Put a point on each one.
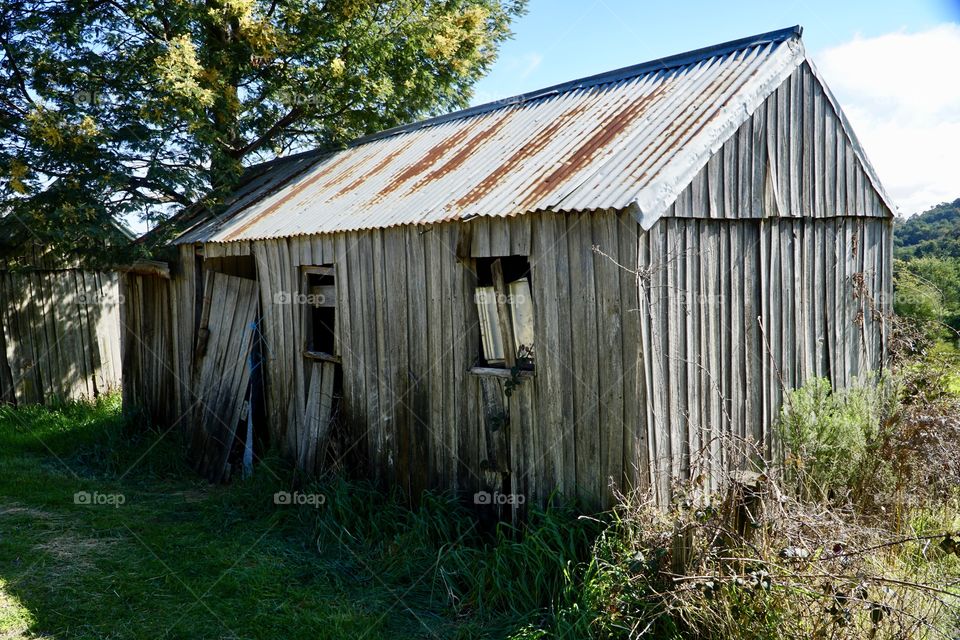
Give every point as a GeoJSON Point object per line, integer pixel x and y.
{"type": "Point", "coordinates": [321, 310]}
{"type": "Point", "coordinates": [505, 310]}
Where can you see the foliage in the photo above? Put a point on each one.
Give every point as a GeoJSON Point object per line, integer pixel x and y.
{"type": "Point", "coordinates": [928, 290]}
{"type": "Point", "coordinates": [935, 232]}
{"type": "Point", "coordinates": [115, 108]}
{"type": "Point", "coordinates": [927, 270]}
{"type": "Point", "coordinates": [827, 435]}
{"type": "Point", "coordinates": [183, 559]}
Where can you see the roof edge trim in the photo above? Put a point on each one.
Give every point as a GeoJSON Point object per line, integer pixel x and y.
{"type": "Point", "coordinates": [652, 202]}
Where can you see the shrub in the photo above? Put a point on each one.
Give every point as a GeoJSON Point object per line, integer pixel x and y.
{"type": "Point", "coordinates": [828, 434]}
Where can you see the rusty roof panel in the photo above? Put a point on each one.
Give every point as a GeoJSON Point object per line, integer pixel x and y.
{"type": "Point", "coordinates": [630, 138]}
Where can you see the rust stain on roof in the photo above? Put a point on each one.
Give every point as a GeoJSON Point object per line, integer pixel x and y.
{"type": "Point", "coordinates": [534, 146]}
{"type": "Point", "coordinates": [583, 154]}
{"type": "Point", "coordinates": [430, 158]}
{"type": "Point", "coordinates": [293, 192]}
{"type": "Point", "coordinates": [464, 153]}
{"type": "Point", "coordinates": [377, 168]}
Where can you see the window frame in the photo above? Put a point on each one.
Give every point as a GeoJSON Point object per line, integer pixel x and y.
{"type": "Point", "coordinates": [506, 321]}
{"type": "Point", "coordinates": [306, 318]}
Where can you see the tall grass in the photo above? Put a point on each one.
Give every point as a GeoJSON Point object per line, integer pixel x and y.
{"type": "Point", "coordinates": [818, 556]}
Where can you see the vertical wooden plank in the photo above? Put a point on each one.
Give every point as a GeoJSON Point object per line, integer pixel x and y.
{"type": "Point", "coordinates": [795, 142]}
{"type": "Point", "coordinates": [841, 155]}
{"type": "Point", "coordinates": [565, 261]}
{"type": "Point", "coordinates": [364, 369]}
{"type": "Point", "coordinates": [709, 255]}
{"type": "Point", "coordinates": [829, 173]}
{"type": "Point", "coordinates": [354, 404]}
{"type": "Point", "coordinates": [819, 145]}
{"type": "Point", "coordinates": [753, 429]}
{"type": "Point", "coordinates": [646, 297]}
{"type": "Point", "coordinates": [439, 341]}
{"type": "Point", "coordinates": [758, 161]}
{"type": "Point", "coordinates": [715, 186]}
{"type": "Point", "coordinates": [398, 361]}
{"type": "Point", "coordinates": [807, 169]}
{"type": "Point", "coordinates": [376, 426]}
{"type": "Point", "coordinates": [585, 359]}
{"type": "Point", "coordinates": [636, 464]}
{"type": "Point", "coordinates": [546, 337]}
{"type": "Point", "coordinates": [676, 371]}
{"type": "Point", "coordinates": [743, 139]}
{"type": "Point", "coordinates": [362, 268]}
{"type": "Point", "coordinates": [480, 238]}
{"type": "Point", "coordinates": [453, 367]}
{"type": "Point", "coordinates": [520, 227]}
{"type": "Point", "coordinates": [605, 231]}
{"type": "Point", "coordinates": [691, 310]}
{"type": "Point", "coordinates": [730, 180]}
{"type": "Point", "coordinates": [422, 467]}
{"type": "Point", "coordinates": [782, 147]}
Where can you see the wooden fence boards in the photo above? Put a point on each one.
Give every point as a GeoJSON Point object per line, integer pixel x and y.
{"type": "Point", "coordinates": [60, 334]}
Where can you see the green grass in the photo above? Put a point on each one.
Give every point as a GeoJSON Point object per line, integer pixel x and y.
{"type": "Point", "coordinates": [182, 559]}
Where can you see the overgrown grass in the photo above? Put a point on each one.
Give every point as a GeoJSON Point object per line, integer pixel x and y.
{"type": "Point", "coordinates": [177, 558]}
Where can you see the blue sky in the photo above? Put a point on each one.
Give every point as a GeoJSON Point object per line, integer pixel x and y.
{"type": "Point", "coordinates": [559, 40]}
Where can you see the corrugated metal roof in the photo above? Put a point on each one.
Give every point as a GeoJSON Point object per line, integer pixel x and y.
{"type": "Point", "coordinates": [630, 138]}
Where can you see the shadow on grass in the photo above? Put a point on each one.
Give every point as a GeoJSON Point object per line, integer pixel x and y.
{"type": "Point", "coordinates": [104, 533]}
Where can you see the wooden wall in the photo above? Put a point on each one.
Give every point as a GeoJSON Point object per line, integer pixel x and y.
{"type": "Point", "coordinates": [59, 334]}
{"type": "Point", "coordinates": [408, 334]}
{"type": "Point", "coordinates": [772, 266]}
{"type": "Point", "coordinates": [158, 321]}
{"type": "Point", "coordinates": [736, 312]}
{"type": "Point", "coordinates": [640, 380]}
{"type": "Point", "coordinates": [792, 158]}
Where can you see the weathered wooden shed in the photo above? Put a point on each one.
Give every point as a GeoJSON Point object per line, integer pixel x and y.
{"type": "Point", "coordinates": [612, 280]}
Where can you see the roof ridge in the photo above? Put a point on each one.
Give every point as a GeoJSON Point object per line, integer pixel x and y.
{"type": "Point", "coordinates": [623, 73]}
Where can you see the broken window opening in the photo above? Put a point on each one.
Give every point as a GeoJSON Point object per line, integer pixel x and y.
{"type": "Point", "coordinates": [320, 321]}
{"type": "Point", "coordinates": [505, 308]}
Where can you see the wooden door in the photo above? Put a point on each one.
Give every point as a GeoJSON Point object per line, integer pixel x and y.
{"type": "Point", "coordinates": [221, 371]}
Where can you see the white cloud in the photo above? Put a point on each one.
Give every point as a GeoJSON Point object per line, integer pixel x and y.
{"type": "Point", "coordinates": [900, 93]}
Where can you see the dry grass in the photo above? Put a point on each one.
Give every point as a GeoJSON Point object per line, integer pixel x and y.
{"type": "Point", "coordinates": [759, 564]}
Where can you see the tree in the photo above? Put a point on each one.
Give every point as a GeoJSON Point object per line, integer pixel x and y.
{"type": "Point", "coordinates": [111, 107]}
{"type": "Point", "coordinates": [935, 232]}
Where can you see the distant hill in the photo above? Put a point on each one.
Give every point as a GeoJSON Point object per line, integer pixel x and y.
{"type": "Point", "coordinates": [933, 233]}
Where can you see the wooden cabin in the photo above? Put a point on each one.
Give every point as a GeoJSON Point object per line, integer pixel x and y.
{"type": "Point", "coordinates": [611, 281]}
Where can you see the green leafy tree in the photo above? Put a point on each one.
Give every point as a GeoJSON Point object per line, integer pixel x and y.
{"type": "Point", "coordinates": [110, 108]}
{"type": "Point", "coordinates": [935, 232]}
